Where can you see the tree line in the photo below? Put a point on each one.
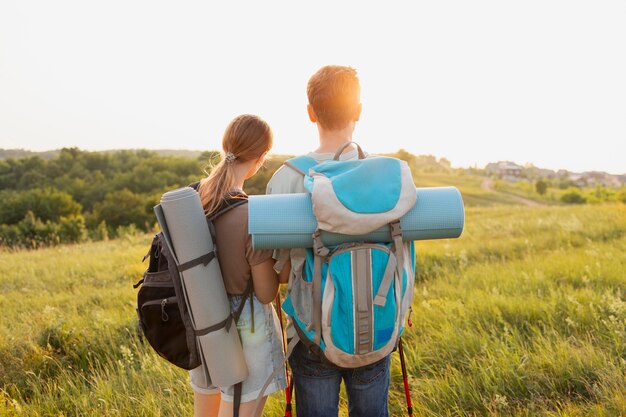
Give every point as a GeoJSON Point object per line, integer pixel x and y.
{"type": "Point", "coordinates": [78, 195]}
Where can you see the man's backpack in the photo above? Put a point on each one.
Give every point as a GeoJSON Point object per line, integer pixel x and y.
{"type": "Point", "coordinates": [350, 301]}
{"type": "Point", "coordinates": [164, 317]}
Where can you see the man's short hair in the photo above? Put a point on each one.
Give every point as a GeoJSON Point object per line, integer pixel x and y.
{"type": "Point", "coordinates": [334, 93]}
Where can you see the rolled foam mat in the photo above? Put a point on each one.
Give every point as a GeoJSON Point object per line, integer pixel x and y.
{"type": "Point", "coordinates": [279, 221]}
{"type": "Point", "coordinates": [208, 303]}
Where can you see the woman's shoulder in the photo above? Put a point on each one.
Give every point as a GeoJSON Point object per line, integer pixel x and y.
{"type": "Point", "coordinates": [240, 210]}
{"type": "Point", "coordinates": [237, 214]}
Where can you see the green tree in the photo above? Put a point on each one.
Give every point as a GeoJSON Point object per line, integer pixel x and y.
{"type": "Point", "coordinates": [7, 176]}
{"type": "Point", "coordinates": [541, 187]}
{"type": "Point", "coordinates": [101, 232]}
{"type": "Point", "coordinates": [122, 208]}
{"type": "Point", "coordinates": [34, 233]}
{"type": "Point", "coordinates": [9, 235]}
{"type": "Point", "coordinates": [72, 229]}
{"type": "Point", "coordinates": [45, 204]}
{"type": "Point", "coordinates": [573, 197]}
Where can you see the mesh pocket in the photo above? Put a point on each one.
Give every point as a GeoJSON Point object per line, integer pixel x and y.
{"type": "Point", "coordinates": [302, 297]}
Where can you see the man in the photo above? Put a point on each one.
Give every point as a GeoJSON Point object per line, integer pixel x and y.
{"type": "Point", "coordinates": [335, 107]}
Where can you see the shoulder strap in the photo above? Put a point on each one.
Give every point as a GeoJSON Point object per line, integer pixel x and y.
{"type": "Point", "coordinates": [247, 294]}
{"type": "Point", "coordinates": [301, 164]}
{"type": "Point", "coordinates": [229, 204]}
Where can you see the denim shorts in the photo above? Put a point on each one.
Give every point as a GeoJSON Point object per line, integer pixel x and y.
{"type": "Point", "coordinates": [262, 349]}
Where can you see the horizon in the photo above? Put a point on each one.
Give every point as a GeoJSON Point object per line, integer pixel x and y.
{"type": "Point", "coordinates": [478, 82]}
{"type": "Point", "coordinates": [271, 153]}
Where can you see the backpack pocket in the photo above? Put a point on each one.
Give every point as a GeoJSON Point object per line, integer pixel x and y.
{"type": "Point", "coordinates": [301, 296]}
{"type": "Point", "coordinates": [361, 307]}
{"type": "Point", "coordinates": [162, 322]}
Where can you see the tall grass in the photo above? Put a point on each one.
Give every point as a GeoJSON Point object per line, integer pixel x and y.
{"type": "Point", "coordinates": [524, 315]}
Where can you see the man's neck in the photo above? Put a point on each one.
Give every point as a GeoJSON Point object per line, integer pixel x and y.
{"type": "Point", "coordinates": [332, 140]}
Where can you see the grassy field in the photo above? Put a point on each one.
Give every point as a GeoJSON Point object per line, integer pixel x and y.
{"type": "Point", "coordinates": [524, 315]}
{"type": "Point", "coordinates": [554, 195]}
{"type": "Point", "coordinates": [469, 185]}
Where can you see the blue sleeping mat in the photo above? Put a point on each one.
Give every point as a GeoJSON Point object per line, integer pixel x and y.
{"type": "Point", "coordinates": [286, 220]}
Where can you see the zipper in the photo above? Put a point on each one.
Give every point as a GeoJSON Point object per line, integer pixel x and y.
{"type": "Point", "coordinates": [163, 303]}
{"type": "Point", "coordinates": [361, 246]}
{"type": "Point", "coordinates": [158, 284]}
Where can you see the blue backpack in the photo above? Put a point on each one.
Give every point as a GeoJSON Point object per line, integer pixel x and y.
{"type": "Point", "coordinates": [351, 301]}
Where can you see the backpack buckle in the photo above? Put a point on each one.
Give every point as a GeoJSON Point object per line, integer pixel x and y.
{"type": "Point", "coordinates": [318, 245]}
{"type": "Point", "coordinates": [396, 230]}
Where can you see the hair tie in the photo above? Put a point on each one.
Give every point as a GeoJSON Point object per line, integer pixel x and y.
{"type": "Point", "coordinates": [229, 157]}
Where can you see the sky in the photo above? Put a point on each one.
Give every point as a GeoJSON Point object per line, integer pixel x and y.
{"type": "Point", "coordinates": [541, 82]}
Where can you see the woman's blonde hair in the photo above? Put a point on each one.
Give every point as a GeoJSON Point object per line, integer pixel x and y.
{"type": "Point", "coordinates": [247, 137]}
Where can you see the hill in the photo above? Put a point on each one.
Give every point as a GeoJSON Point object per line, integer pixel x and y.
{"type": "Point", "coordinates": [22, 153]}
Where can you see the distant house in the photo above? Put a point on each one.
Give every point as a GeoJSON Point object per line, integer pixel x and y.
{"type": "Point", "coordinates": [546, 173]}
{"type": "Point", "coordinates": [510, 171]}
{"type": "Point", "coordinates": [505, 169]}
{"type": "Point", "coordinates": [595, 178]}
{"type": "Point", "coordinates": [577, 179]}
{"type": "Point", "coordinates": [601, 178]}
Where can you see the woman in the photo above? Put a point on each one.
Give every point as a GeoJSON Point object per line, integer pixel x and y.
{"type": "Point", "coordinates": [246, 141]}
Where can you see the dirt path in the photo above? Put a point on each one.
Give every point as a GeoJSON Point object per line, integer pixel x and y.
{"type": "Point", "coordinates": [487, 185]}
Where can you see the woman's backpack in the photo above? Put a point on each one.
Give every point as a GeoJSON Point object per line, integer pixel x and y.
{"type": "Point", "coordinates": [164, 317]}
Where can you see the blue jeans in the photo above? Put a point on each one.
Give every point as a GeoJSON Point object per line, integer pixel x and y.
{"type": "Point", "coordinates": [317, 386]}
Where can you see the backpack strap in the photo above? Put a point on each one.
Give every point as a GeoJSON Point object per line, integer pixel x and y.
{"type": "Point", "coordinates": [237, 398]}
{"type": "Point", "coordinates": [398, 245]}
{"type": "Point", "coordinates": [392, 265]}
{"type": "Point", "coordinates": [344, 146]}
{"type": "Point", "coordinates": [301, 164]}
{"type": "Point", "coordinates": [204, 259]}
{"type": "Point", "coordinates": [226, 323]}
{"type": "Point", "coordinates": [320, 253]}
{"type": "Point", "coordinates": [238, 387]}
{"type": "Point", "coordinates": [228, 204]}
{"type": "Point", "coordinates": [247, 293]}
{"type": "Point", "coordinates": [231, 201]}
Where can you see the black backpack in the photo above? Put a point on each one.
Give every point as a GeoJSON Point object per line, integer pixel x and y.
{"type": "Point", "coordinates": [164, 317]}
{"type": "Point", "coordinates": [163, 320]}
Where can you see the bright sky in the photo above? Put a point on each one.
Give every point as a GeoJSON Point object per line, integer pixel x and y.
{"type": "Point", "coordinates": [536, 81]}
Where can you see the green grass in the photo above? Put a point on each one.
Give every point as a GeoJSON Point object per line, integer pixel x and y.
{"type": "Point", "coordinates": [468, 184]}
{"type": "Point", "coordinates": [593, 195]}
{"type": "Point", "coordinates": [524, 315]}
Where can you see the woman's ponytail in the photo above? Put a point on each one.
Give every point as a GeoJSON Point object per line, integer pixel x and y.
{"type": "Point", "coordinates": [246, 138]}
{"type": "Point", "coordinates": [218, 184]}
